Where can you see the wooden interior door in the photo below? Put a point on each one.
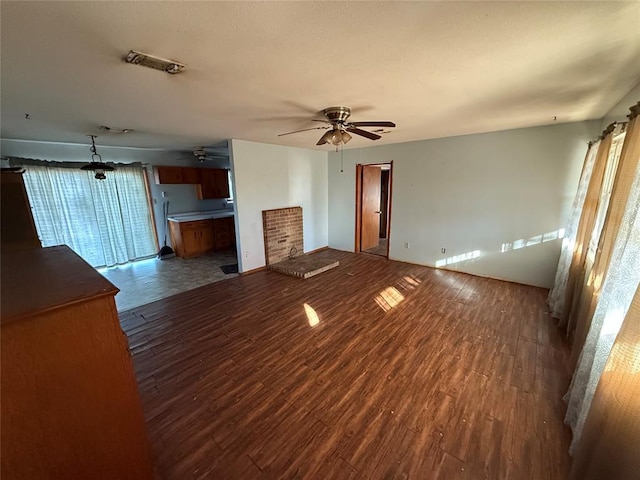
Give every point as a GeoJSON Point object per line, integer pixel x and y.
{"type": "Point", "coordinates": [370, 231]}
{"type": "Point", "coordinates": [384, 202]}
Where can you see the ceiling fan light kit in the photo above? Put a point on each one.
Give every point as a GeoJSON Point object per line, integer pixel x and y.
{"type": "Point", "coordinates": [336, 118]}
{"type": "Point", "coordinates": [335, 137]}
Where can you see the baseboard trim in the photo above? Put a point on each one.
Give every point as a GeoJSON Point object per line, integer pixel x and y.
{"type": "Point", "coordinates": [468, 273]}
{"type": "Point", "coordinates": [326, 247]}
{"type": "Point", "coordinates": [266, 267]}
{"type": "Point", "coordinates": [255, 270]}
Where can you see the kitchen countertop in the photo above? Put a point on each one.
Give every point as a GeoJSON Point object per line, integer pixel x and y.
{"type": "Point", "coordinates": [193, 216]}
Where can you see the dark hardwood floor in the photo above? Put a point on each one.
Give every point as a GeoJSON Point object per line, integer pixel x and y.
{"type": "Point", "coordinates": [408, 372]}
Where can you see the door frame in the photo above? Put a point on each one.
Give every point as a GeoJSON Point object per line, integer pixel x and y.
{"type": "Point", "coordinates": [358, 229]}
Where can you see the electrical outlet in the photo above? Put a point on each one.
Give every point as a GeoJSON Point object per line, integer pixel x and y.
{"type": "Point", "coordinates": [406, 244]}
{"type": "Point", "coordinates": [443, 250]}
{"type": "Point", "coordinates": [246, 254]}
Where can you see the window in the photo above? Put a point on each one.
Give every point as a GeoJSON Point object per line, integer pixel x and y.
{"type": "Point", "coordinates": [230, 199]}
{"type": "Point", "coordinates": [605, 193]}
{"type": "Point", "coordinates": [106, 222]}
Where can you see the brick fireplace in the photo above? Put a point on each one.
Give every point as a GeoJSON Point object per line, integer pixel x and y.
{"type": "Point", "coordinates": [282, 233]}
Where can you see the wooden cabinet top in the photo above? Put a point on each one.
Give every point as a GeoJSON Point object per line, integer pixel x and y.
{"type": "Point", "coordinates": [166, 174]}
{"type": "Point", "coordinates": [196, 224]}
{"type": "Point", "coordinates": [43, 279]}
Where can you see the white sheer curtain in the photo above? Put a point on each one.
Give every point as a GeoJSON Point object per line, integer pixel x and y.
{"type": "Point", "coordinates": [557, 293]}
{"type": "Point", "coordinates": [106, 222]}
{"type": "Point", "coordinates": [618, 289]}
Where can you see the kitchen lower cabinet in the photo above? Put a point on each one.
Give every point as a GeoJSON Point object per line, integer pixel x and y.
{"type": "Point", "coordinates": [224, 230]}
{"type": "Point", "coordinates": [190, 239]}
{"type": "Point", "coordinates": [193, 238]}
{"type": "Point", "coordinates": [207, 239]}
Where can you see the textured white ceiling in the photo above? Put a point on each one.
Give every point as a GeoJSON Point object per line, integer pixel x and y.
{"type": "Point", "coordinates": [258, 69]}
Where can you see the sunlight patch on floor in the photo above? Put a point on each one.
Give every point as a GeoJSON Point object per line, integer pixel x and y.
{"type": "Point", "coordinates": [389, 298]}
{"type": "Point", "coordinates": [312, 316]}
{"type": "Point", "coordinates": [410, 281]}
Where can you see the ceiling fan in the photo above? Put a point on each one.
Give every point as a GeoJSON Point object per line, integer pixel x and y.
{"type": "Point", "coordinates": [340, 127]}
{"type": "Point", "coordinates": [216, 152]}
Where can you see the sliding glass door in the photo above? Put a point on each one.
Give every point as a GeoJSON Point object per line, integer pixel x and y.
{"type": "Point", "coordinates": [107, 222]}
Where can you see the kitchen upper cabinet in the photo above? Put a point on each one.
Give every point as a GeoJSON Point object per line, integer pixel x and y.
{"type": "Point", "coordinates": [222, 182]}
{"type": "Point", "coordinates": [191, 175]}
{"type": "Point", "coordinates": [178, 175]}
{"type": "Point", "coordinates": [169, 175]}
{"type": "Point", "coordinates": [215, 183]}
{"type": "Point", "coordinates": [210, 182]}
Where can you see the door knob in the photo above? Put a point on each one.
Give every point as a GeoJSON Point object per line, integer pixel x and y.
{"type": "Point", "coordinates": [378, 211]}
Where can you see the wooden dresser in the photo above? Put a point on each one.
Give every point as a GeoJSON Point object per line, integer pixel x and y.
{"type": "Point", "coordinates": [70, 406]}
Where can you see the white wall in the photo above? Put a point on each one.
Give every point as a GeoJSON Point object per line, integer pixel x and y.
{"type": "Point", "coordinates": [182, 198]}
{"type": "Point", "coordinates": [272, 176]}
{"type": "Point", "coordinates": [620, 110]}
{"type": "Point", "coordinates": [472, 193]}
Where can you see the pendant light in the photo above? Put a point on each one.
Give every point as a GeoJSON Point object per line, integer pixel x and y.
{"type": "Point", "coordinates": [97, 165]}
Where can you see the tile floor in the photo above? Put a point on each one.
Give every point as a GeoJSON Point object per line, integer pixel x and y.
{"type": "Point", "coordinates": [146, 281]}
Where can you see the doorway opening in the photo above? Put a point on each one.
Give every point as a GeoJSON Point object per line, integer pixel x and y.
{"type": "Point", "coordinates": [373, 208]}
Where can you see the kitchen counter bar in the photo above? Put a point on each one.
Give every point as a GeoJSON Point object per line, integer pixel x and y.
{"type": "Point", "coordinates": [193, 216]}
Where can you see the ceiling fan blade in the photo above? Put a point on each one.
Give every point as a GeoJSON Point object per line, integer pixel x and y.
{"type": "Point", "coordinates": [302, 107]}
{"type": "Point", "coordinates": [363, 133]}
{"type": "Point", "coordinates": [303, 130]}
{"type": "Point", "coordinates": [372, 124]}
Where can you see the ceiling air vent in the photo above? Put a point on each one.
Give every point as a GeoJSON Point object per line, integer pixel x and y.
{"type": "Point", "coordinates": [151, 61]}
